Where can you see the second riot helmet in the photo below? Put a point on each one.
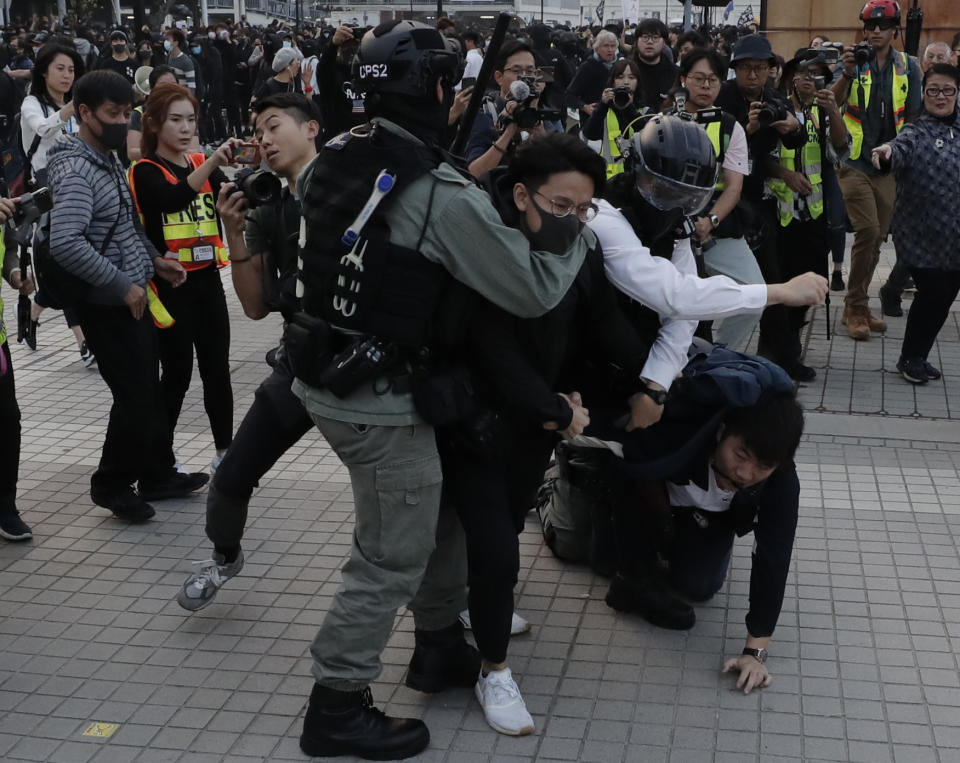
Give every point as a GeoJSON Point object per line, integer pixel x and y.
{"type": "Point", "coordinates": [674, 164]}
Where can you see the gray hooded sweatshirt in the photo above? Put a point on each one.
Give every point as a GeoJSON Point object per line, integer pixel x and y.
{"type": "Point", "coordinates": [90, 194]}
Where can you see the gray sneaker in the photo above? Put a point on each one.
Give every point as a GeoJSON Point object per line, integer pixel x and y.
{"type": "Point", "coordinates": [202, 586]}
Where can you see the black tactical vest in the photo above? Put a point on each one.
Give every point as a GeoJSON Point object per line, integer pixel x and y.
{"type": "Point", "coordinates": [373, 287]}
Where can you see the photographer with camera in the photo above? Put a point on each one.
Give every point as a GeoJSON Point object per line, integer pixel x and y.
{"type": "Point", "coordinates": [719, 230]}
{"type": "Point", "coordinates": [12, 527]}
{"type": "Point", "coordinates": [798, 182]}
{"type": "Point", "coordinates": [106, 262]}
{"type": "Point", "coordinates": [263, 254]}
{"type": "Point", "coordinates": [175, 192]}
{"type": "Point", "coordinates": [881, 90]}
{"type": "Point", "coordinates": [618, 114]}
{"type": "Point", "coordinates": [765, 115]}
{"type": "Point", "coordinates": [512, 116]}
{"type": "Point", "coordinates": [585, 89]}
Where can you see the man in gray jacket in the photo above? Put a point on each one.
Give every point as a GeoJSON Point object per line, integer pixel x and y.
{"type": "Point", "coordinates": [96, 236]}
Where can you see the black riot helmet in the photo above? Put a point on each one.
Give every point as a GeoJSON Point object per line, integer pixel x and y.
{"type": "Point", "coordinates": [404, 58]}
{"type": "Point", "coordinates": [674, 164]}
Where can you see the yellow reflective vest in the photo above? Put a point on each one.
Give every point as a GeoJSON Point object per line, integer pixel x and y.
{"type": "Point", "coordinates": [860, 92]}
{"type": "Point", "coordinates": [720, 139]}
{"type": "Point", "coordinates": [811, 165]}
{"type": "Point", "coordinates": [609, 150]}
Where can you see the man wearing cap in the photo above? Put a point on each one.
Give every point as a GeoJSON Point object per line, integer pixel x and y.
{"type": "Point", "coordinates": [119, 59]}
{"type": "Point", "coordinates": [754, 104]}
{"type": "Point", "coordinates": [880, 96]}
{"type": "Point", "coordinates": [286, 66]}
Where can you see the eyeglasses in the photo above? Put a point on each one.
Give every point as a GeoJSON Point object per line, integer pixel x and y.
{"type": "Point", "coordinates": [883, 26]}
{"type": "Point", "coordinates": [935, 92]}
{"type": "Point", "coordinates": [522, 72]}
{"type": "Point", "coordinates": [650, 38]}
{"type": "Point", "coordinates": [753, 68]}
{"type": "Point", "coordinates": [703, 79]}
{"type": "Point", "coordinates": [561, 207]}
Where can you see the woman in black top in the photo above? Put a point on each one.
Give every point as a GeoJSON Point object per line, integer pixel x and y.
{"type": "Point", "coordinates": [176, 194]}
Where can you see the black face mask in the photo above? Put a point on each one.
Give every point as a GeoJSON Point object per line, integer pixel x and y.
{"type": "Point", "coordinates": [556, 234]}
{"type": "Point", "coordinates": [119, 48]}
{"type": "Point", "coordinates": [112, 136]}
{"type": "Point", "coordinates": [145, 55]}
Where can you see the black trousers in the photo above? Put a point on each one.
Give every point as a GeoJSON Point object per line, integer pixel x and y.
{"type": "Point", "coordinates": [275, 422]}
{"type": "Point", "coordinates": [774, 341]}
{"type": "Point", "coordinates": [936, 291]}
{"type": "Point", "coordinates": [493, 488]}
{"type": "Point", "coordinates": [199, 308]}
{"type": "Point", "coordinates": [802, 246]}
{"type": "Point", "coordinates": [138, 444]}
{"type": "Point", "coordinates": [9, 437]}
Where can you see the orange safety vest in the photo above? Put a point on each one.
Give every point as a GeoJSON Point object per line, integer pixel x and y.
{"type": "Point", "coordinates": [192, 235]}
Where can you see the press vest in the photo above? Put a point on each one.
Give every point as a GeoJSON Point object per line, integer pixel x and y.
{"type": "Point", "coordinates": [372, 287]}
{"type": "Point", "coordinates": [720, 134]}
{"type": "Point", "coordinates": [810, 165]}
{"type": "Point", "coordinates": [860, 93]}
{"type": "Point", "coordinates": [609, 150]}
{"type": "Point", "coordinates": [192, 234]}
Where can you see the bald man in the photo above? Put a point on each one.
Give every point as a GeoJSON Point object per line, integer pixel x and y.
{"type": "Point", "coordinates": [936, 53]}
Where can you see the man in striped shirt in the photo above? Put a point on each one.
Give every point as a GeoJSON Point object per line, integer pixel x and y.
{"type": "Point", "coordinates": [179, 61]}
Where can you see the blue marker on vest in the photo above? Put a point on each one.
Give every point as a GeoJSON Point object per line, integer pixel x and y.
{"type": "Point", "coordinates": [383, 185]}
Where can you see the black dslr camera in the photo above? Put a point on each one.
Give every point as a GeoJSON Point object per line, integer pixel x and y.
{"type": "Point", "coordinates": [30, 208]}
{"type": "Point", "coordinates": [863, 52]}
{"type": "Point", "coordinates": [258, 187]}
{"type": "Point", "coordinates": [772, 112]}
{"type": "Point", "coordinates": [622, 97]}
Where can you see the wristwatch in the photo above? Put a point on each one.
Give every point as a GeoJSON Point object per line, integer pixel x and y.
{"type": "Point", "coordinates": [659, 396]}
{"type": "Point", "coordinates": [760, 654]}
{"type": "Point", "coordinates": [714, 221]}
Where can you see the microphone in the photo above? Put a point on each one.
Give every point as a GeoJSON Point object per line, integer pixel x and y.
{"type": "Point", "coordinates": [519, 91]}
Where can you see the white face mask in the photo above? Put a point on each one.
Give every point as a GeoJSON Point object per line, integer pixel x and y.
{"type": "Point", "coordinates": [211, 35]}
{"type": "Point", "coordinates": [287, 44]}
{"type": "Point", "coordinates": [223, 34]}
{"type": "Point", "coordinates": [167, 45]}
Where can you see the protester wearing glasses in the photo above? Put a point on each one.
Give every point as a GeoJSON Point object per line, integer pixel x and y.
{"type": "Point", "coordinates": [926, 219]}
{"type": "Point", "coordinates": [880, 97]}
{"type": "Point", "coordinates": [657, 72]}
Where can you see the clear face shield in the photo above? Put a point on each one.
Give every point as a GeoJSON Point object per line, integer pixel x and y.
{"type": "Point", "coordinates": [667, 194]}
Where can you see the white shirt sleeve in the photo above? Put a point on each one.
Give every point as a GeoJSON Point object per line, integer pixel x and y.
{"type": "Point", "coordinates": [668, 355]}
{"type": "Point", "coordinates": [737, 158]}
{"type": "Point", "coordinates": [672, 289]}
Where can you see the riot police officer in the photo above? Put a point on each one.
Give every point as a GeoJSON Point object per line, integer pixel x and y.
{"type": "Point", "coordinates": [388, 226]}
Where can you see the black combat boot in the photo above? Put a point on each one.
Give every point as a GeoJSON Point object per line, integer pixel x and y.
{"type": "Point", "coordinates": [650, 598]}
{"type": "Point", "coordinates": [347, 723]}
{"type": "Point", "coordinates": [442, 660]}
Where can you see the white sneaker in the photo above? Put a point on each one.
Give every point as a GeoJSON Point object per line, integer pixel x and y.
{"type": "Point", "coordinates": [517, 624]}
{"type": "Point", "coordinates": [502, 704]}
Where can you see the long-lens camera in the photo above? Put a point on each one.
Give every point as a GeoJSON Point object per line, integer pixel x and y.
{"type": "Point", "coordinates": [863, 52]}
{"type": "Point", "coordinates": [622, 97]}
{"type": "Point", "coordinates": [772, 112]}
{"type": "Point", "coordinates": [258, 187]}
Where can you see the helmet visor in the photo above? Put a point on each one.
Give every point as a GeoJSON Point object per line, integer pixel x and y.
{"type": "Point", "coordinates": [667, 194]}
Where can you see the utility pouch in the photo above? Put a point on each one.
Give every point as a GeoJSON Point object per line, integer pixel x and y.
{"type": "Point", "coordinates": [366, 360]}
{"type": "Point", "coordinates": [308, 343]}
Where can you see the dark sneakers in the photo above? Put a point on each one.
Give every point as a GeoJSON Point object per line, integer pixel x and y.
{"type": "Point", "coordinates": [918, 371]}
{"type": "Point", "coordinates": [13, 528]}
{"type": "Point", "coordinates": [442, 660]}
{"type": "Point", "coordinates": [653, 601]}
{"type": "Point", "coordinates": [176, 485]}
{"type": "Point", "coordinates": [125, 505]}
{"type": "Point", "coordinates": [347, 723]}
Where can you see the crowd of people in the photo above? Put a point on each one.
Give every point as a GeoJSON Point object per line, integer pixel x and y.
{"type": "Point", "coordinates": [629, 204]}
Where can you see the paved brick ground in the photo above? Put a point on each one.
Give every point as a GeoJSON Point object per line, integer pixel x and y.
{"type": "Point", "coordinates": [864, 661]}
